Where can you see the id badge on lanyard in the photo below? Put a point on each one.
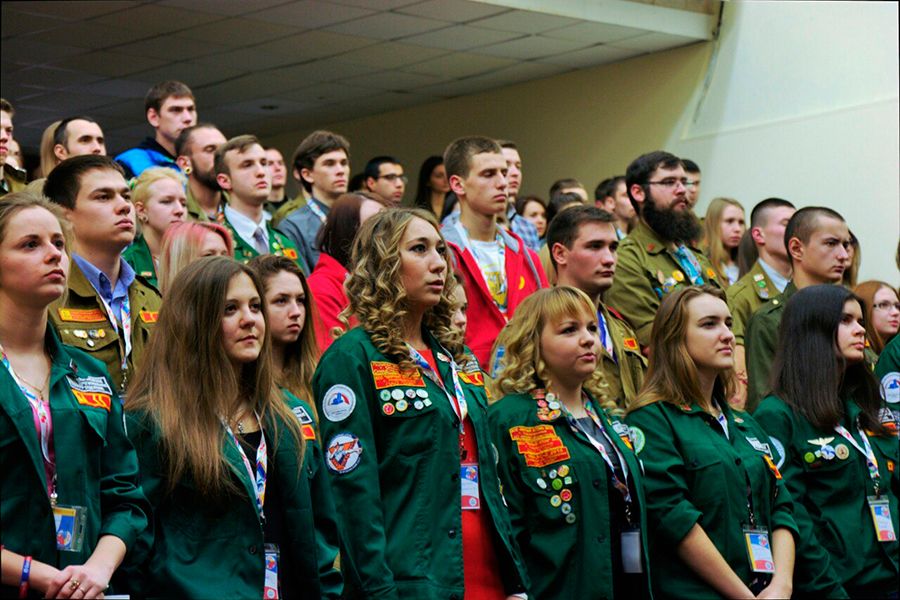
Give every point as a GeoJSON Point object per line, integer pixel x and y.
{"type": "Point", "coordinates": [471, 496]}
{"type": "Point", "coordinates": [759, 549]}
{"type": "Point", "coordinates": [272, 586]}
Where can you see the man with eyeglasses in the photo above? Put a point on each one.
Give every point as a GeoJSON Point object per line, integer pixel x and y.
{"type": "Point", "coordinates": [659, 255]}
{"type": "Point", "coordinates": [384, 177]}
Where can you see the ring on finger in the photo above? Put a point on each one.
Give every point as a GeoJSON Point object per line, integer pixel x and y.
{"type": "Point", "coordinates": [74, 584]}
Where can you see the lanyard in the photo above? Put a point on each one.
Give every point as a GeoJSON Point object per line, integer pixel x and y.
{"type": "Point", "coordinates": [502, 289]}
{"type": "Point", "coordinates": [622, 487]}
{"type": "Point", "coordinates": [262, 463]}
{"type": "Point", "coordinates": [43, 415]}
{"type": "Point", "coordinates": [865, 450]}
{"type": "Point", "coordinates": [689, 263]}
{"type": "Point", "coordinates": [314, 207]}
{"type": "Point", "coordinates": [605, 335]}
{"type": "Point", "coordinates": [125, 316]}
{"type": "Point", "coordinates": [723, 421]}
{"type": "Point", "coordinates": [457, 398]}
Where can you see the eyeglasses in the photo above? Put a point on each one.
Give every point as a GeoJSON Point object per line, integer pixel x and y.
{"type": "Point", "coordinates": [672, 183]}
{"type": "Point", "coordinates": [692, 184]}
{"type": "Point", "coordinates": [394, 178]}
{"type": "Point", "coordinates": [887, 305]}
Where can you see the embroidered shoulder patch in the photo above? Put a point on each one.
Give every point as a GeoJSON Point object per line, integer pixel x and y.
{"type": "Point", "coordinates": [149, 316]}
{"type": "Point", "coordinates": [290, 253]}
{"type": "Point", "coordinates": [539, 444]}
{"type": "Point", "coordinates": [472, 378]}
{"type": "Point", "coordinates": [630, 343]}
{"type": "Point", "coordinates": [388, 374]}
{"type": "Point", "coordinates": [83, 315]}
{"type": "Point", "coordinates": [343, 453]}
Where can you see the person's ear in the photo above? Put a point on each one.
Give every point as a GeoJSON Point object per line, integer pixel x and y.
{"type": "Point", "coordinates": [759, 237]}
{"type": "Point", "coordinates": [795, 249]}
{"type": "Point", "coordinates": [153, 117]}
{"type": "Point", "coordinates": [224, 181]}
{"type": "Point", "coordinates": [560, 254]}
{"type": "Point", "coordinates": [637, 193]}
{"type": "Point", "coordinates": [60, 152]}
{"type": "Point", "coordinates": [457, 185]}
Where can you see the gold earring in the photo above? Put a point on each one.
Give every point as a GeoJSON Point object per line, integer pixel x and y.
{"type": "Point", "coordinates": [187, 170]}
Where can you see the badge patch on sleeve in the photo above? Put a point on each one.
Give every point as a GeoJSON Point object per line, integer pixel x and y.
{"type": "Point", "coordinates": [88, 315]}
{"type": "Point", "coordinates": [290, 253]}
{"type": "Point", "coordinates": [338, 403]}
{"type": "Point", "coordinates": [540, 445]}
{"type": "Point", "coordinates": [149, 316]}
{"type": "Point", "coordinates": [472, 378]}
{"type": "Point", "coordinates": [388, 374]}
{"type": "Point", "coordinates": [343, 453]}
{"type": "Point", "coordinates": [306, 423]}
{"type": "Point", "coordinates": [630, 343]}
{"type": "Point", "coordinates": [91, 391]}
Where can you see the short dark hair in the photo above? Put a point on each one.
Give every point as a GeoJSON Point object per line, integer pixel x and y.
{"type": "Point", "coordinates": [522, 202]}
{"type": "Point", "coordinates": [607, 187]}
{"type": "Point", "coordinates": [508, 144]}
{"type": "Point", "coordinates": [374, 165]}
{"type": "Point", "coordinates": [184, 138]}
{"type": "Point", "coordinates": [239, 143]}
{"type": "Point", "coordinates": [459, 153]}
{"type": "Point", "coordinates": [167, 89]}
{"type": "Point", "coordinates": [804, 222]}
{"type": "Point", "coordinates": [5, 106]}
{"type": "Point", "coordinates": [61, 133]}
{"type": "Point", "coordinates": [335, 237]}
{"type": "Point", "coordinates": [64, 181]}
{"type": "Point", "coordinates": [565, 226]}
{"type": "Point", "coordinates": [758, 214]}
{"type": "Point", "coordinates": [690, 166]}
{"type": "Point", "coordinates": [312, 147]}
{"type": "Point", "coordinates": [559, 201]}
{"type": "Point", "coordinates": [561, 184]}
{"type": "Point", "coordinates": [640, 169]}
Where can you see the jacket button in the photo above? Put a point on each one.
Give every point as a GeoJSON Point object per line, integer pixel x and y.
{"type": "Point", "coordinates": [596, 483]}
{"type": "Point", "coordinates": [694, 463]}
{"type": "Point", "coordinates": [454, 477]}
{"type": "Point", "coordinates": [451, 533]}
{"type": "Point", "coordinates": [737, 461]}
{"type": "Point", "coordinates": [252, 549]}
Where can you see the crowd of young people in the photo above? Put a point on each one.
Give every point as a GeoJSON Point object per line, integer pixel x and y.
{"type": "Point", "coordinates": [209, 390]}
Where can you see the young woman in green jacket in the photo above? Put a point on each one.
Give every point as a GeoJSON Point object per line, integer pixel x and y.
{"type": "Point", "coordinates": [242, 508]}
{"type": "Point", "coordinates": [71, 508]}
{"type": "Point", "coordinates": [567, 464]}
{"type": "Point", "coordinates": [719, 516]}
{"type": "Point", "coordinates": [403, 415]}
{"type": "Point", "coordinates": [837, 440]}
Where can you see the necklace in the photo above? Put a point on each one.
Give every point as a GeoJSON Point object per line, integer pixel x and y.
{"type": "Point", "coordinates": [39, 390]}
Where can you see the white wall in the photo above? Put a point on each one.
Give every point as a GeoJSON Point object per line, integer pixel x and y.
{"type": "Point", "coordinates": [801, 101]}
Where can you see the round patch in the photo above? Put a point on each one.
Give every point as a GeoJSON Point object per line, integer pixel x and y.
{"type": "Point", "coordinates": [554, 414]}
{"type": "Point", "coordinates": [338, 403]}
{"type": "Point", "coordinates": [343, 453]}
{"type": "Point", "coordinates": [397, 394]}
{"type": "Point", "coordinates": [556, 484]}
{"type": "Point", "coordinates": [388, 408]}
{"type": "Point", "coordinates": [552, 474]}
{"type": "Point", "coordinates": [555, 501]}
{"type": "Point", "coordinates": [566, 508]}
{"type": "Point", "coordinates": [678, 276]}
{"type": "Point", "coordinates": [410, 394]}
{"type": "Point", "coordinates": [570, 518]}
{"type": "Point", "coordinates": [563, 470]}
{"type": "Point", "coordinates": [384, 395]}
{"type": "Point", "coordinates": [419, 405]}
{"type": "Point", "coordinates": [402, 405]}
{"type": "Point", "coordinates": [566, 495]}
{"type": "Point", "coordinates": [421, 393]}
{"type": "Point", "coordinates": [541, 483]}
{"type": "Point", "coordinates": [779, 447]}
{"type": "Point", "coordinates": [842, 451]}
{"type": "Point", "coordinates": [809, 457]}
{"type": "Point", "coordinates": [639, 439]}
{"type": "Point", "coordinates": [542, 403]}
{"type": "Point", "coordinates": [553, 405]}
{"type": "Point", "coordinates": [890, 387]}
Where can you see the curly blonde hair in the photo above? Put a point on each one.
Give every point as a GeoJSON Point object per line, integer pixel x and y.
{"type": "Point", "coordinates": [375, 288]}
{"type": "Point", "coordinates": [520, 366]}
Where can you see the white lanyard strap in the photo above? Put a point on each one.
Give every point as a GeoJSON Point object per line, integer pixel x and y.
{"type": "Point", "coordinates": [125, 316]}
{"type": "Point", "coordinates": [316, 210]}
{"type": "Point", "coordinates": [457, 397]}
{"type": "Point", "coordinates": [262, 463]}
{"type": "Point", "coordinates": [865, 450]}
{"type": "Point", "coordinates": [598, 445]}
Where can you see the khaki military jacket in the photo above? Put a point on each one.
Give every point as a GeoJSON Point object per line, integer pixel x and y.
{"type": "Point", "coordinates": [647, 271]}
{"type": "Point", "coordinates": [14, 180]}
{"type": "Point", "coordinates": [624, 374]}
{"type": "Point", "coordinates": [82, 322]}
{"type": "Point", "coordinates": [746, 296]}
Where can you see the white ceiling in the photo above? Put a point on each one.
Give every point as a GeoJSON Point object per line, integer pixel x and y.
{"type": "Point", "coordinates": [270, 66]}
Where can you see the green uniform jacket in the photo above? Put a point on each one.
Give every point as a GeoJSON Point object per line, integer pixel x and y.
{"type": "Point", "coordinates": [210, 549]}
{"type": "Point", "coordinates": [746, 296]}
{"type": "Point", "coordinates": [395, 469]}
{"type": "Point", "coordinates": [82, 322]}
{"type": "Point", "coordinates": [96, 464]}
{"type": "Point", "coordinates": [760, 341]}
{"type": "Point", "coordinates": [138, 256]}
{"type": "Point", "coordinates": [646, 272]}
{"type": "Point", "coordinates": [887, 370]}
{"type": "Point", "coordinates": [625, 375]}
{"type": "Point", "coordinates": [278, 244]}
{"type": "Point", "coordinates": [694, 474]}
{"type": "Point", "coordinates": [565, 557]}
{"type": "Point", "coordinates": [831, 495]}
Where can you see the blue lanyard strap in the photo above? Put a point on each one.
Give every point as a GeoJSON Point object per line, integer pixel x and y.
{"type": "Point", "coordinates": [316, 210]}
{"type": "Point", "coordinates": [605, 335]}
{"type": "Point", "coordinates": [457, 397]}
{"type": "Point", "coordinates": [262, 463]}
{"type": "Point", "coordinates": [690, 264]}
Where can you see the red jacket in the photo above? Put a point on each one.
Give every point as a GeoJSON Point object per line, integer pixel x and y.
{"type": "Point", "coordinates": [326, 283]}
{"type": "Point", "coordinates": [524, 274]}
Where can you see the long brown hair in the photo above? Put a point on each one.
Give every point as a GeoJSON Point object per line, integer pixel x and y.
{"type": "Point", "coordinates": [300, 357]}
{"type": "Point", "coordinates": [719, 255]}
{"type": "Point", "coordinates": [866, 292]}
{"type": "Point", "coordinates": [672, 374]}
{"type": "Point", "coordinates": [376, 292]}
{"type": "Point", "coordinates": [188, 382]}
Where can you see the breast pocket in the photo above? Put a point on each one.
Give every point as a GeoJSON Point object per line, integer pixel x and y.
{"type": "Point", "coordinates": [705, 475]}
{"type": "Point", "coordinates": [92, 338]}
{"type": "Point", "coordinates": [409, 419]}
{"type": "Point", "coordinates": [554, 493]}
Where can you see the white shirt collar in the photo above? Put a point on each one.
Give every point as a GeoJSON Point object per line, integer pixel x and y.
{"type": "Point", "coordinates": [778, 280]}
{"type": "Point", "coordinates": [245, 226]}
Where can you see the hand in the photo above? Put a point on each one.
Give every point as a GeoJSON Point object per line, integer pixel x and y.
{"type": "Point", "coordinates": [79, 581]}
{"type": "Point", "coordinates": [777, 589]}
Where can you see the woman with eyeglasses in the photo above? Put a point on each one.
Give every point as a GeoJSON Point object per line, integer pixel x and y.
{"type": "Point", "coordinates": [882, 313]}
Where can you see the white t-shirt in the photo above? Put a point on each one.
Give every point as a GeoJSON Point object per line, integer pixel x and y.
{"type": "Point", "coordinates": [490, 257]}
